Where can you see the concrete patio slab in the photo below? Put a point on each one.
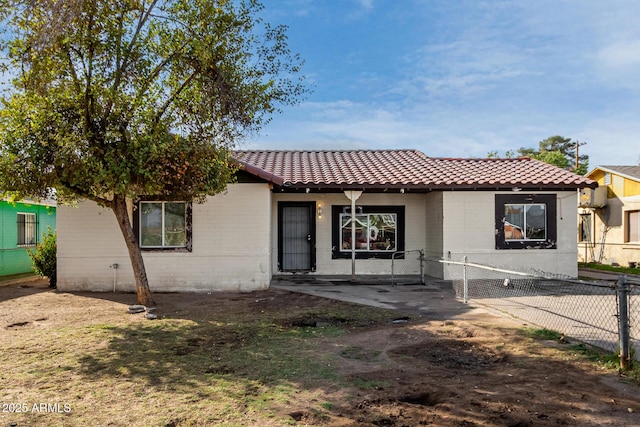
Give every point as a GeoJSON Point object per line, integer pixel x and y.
{"type": "Point", "coordinates": [434, 300]}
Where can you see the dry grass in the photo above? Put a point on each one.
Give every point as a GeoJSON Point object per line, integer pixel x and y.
{"type": "Point", "coordinates": [277, 358]}
{"type": "Point", "coordinates": [208, 365]}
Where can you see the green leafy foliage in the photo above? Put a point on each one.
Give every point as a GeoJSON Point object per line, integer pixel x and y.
{"type": "Point", "coordinates": [561, 152]}
{"type": "Point", "coordinates": [113, 100]}
{"type": "Point", "coordinates": [135, 97]}
{"type": "Point", "coordinates": [555, 150]}
{"type": "Point", "coordinates": [44, 256]}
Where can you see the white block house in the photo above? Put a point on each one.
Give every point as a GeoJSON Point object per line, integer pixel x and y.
{"type": "Point", "coordinates": [289, 214]}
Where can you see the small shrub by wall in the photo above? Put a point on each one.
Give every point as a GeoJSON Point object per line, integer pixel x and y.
{"type": "Point", "coordinates": [43, 256]}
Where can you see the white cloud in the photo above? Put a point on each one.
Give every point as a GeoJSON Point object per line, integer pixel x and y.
{"type": "Point", "coordinates": [620, 54]}
{"type": "Point", "coordinates": [451, 132]}
{"type": "Point", "coordinates": [481, 76]}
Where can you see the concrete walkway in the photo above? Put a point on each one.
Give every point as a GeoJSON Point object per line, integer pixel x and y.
{"type": "Point", "coordinates": [435, 300]}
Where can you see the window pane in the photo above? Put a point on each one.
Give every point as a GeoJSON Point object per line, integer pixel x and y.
{"type": "Point", "coordinates": [362, 232]}
{"type": "Point", "coordinates": [30, 230]}
{"type": "Point", "coordinates": [374, 232]}
{"type": "Point", "coordinates": [345, 232]}
{"type": "Point", "coordinates": [514, 222]}
{"type": "Point", "coordinates": [21, 229]}
{"type": "Point", "coordinates": [26, 229]}
{"type": "Point", "coordinates": [525, 221]}
{"type": "Point", "coordinates": [362, 240]}
{"type": "Point", "coordinates": [151, 224]}
{"type": "Point", "coordinates": [634, 226]}
{"type": "Point", "coordinates": [174, 224]}
{"type": "Point", "coordinates": [535, 220]}
{"type": "Point", "coordinates": [382, 232]}
{"type": "Point", "coordinates": [585, 228]}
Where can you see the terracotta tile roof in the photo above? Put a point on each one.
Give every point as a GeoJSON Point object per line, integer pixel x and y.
{"type": "Point", "coordinates": [409, 169]}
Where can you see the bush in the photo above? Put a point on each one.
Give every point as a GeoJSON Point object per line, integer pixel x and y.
{"type": "Point", "coordinates": [44, 257]}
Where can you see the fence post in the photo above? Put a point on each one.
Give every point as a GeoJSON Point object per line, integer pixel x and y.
{"type": "Point", "coordinates": [623, 321]}
{"type": "Point", "coordinates": [465, 283]}
{"type": "Point", "coordinates": [393, 261]}
{"type": "Point", "coordinates": [422, 261]}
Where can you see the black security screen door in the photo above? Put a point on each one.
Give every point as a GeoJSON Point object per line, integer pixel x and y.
{"type": "Point", "coordinates": [296, 236]}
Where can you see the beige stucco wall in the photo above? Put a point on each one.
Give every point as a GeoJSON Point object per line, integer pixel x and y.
{"type": "Point", "coordinates": [609, 228]}
{"type": "Point", "coordinates": [444, 224]}
{"type": "Point", "coordinates": [414, 237]}
{"type": "Point", "coordinates": [231, 247]}
{"type": "Point", "coordinates": [469, 229]}
{"type": "Point", "coordinates": [434, 244]}
{"type": "Point", "coordinates": [608, 244]}
{"type": "Point", "coordinates": [235, 241]}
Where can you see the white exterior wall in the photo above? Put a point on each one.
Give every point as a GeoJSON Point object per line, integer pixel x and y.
{"type": "Point", "coordinates": [235, 238]}
{"type": "Point", "coordinates": [415, 228]}
{"type": "Point", "coordinates": [231, 247]}
{"type": "Point", "coordinates": [469, 229]}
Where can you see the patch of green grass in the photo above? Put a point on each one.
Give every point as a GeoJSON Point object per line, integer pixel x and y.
{"type": "Point", "coordinates": [612, 268]}
{"type": "Point", "coordinates": [327, 405]}
{"type": "Point", "coordinates": [605, 359]}
{"type": "Point", "coordinates": [542, 334]}
{"type": "Point", "coordinates": [364, 384]}
{"type": "Point", "coordinates": [320, 415]}
{"type": "Point", "coordinates": [599, 357]}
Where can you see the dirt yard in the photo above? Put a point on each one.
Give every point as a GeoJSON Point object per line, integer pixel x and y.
{"type": "Point", "coordinates": [392, 369]}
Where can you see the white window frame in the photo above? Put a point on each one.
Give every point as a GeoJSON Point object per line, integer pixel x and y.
{"type": "Point", "coordinates": [371, 230]}
{"type": "Point", "coordinates": [27, 229]}
{"type": "Point", "coordinates": [525, 207]}
{"type": "Point", "coordinates": [589, 237]}
{"type": "Point", "coordinates": [628, 228]}
{"type": "Point", "coordinates": [163, 245]}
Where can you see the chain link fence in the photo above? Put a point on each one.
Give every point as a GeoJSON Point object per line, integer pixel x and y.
{"type": "Point", "coordinates": [605, 314]}
{"type": "Point", "coordinates": [407, 267]}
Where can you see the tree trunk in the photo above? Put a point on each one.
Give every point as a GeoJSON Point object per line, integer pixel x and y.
{"type": "Point", "coordinates": [119, 207]}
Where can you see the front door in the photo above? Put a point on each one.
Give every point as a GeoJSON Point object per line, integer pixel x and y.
{"type": "Point", "coordinates": [296, 236]}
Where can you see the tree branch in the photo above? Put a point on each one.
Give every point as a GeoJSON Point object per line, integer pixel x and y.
{"type": "Point", "coordinates": [86, 195]}
{"type": "Point", "coordinates": [122, 62]}
{"type": "Point", "coordinates": [72, 68]}
{"type": "Point", "coordinates": [144, 16]}
{"type": "Point", "coordinates": [173, 96]}
{"type": "Point", "coordinates": [89, 75]}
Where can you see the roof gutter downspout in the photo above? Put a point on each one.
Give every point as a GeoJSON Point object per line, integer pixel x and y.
{"type": "Point", "coordinates": [353, 196]}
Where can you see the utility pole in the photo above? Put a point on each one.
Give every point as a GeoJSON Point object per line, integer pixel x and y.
{"type": "Point", "coordinates": [578, 144]}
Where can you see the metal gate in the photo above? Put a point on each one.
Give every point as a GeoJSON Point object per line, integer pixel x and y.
{"type": "Point", "coordinates": [296, 236]}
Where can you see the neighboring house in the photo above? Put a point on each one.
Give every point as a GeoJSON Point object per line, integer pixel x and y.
{"type": "Point", "coordinates": [609, 217]}
{"type": "Point", "coordinates": [22, 224]}
{"type": "Point", "coordinates": [290, 213]}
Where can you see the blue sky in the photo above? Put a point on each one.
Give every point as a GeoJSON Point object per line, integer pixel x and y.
{"type": "Point", "coordinates": [462, 78]}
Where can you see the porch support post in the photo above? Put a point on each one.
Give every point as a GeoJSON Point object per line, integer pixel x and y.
{"type": "Point", "coordinates": [353, 196]}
